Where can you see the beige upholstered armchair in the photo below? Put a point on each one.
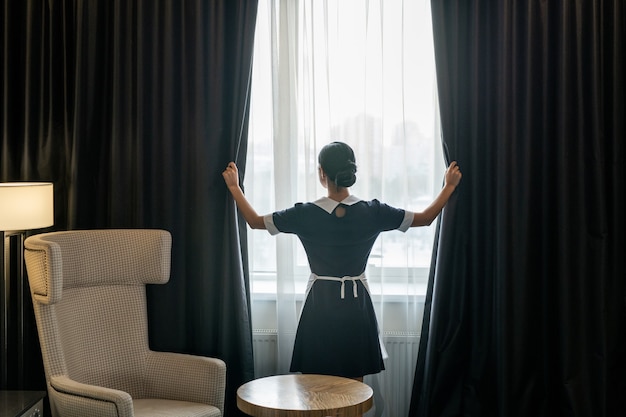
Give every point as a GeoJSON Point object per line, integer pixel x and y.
{"type": "Point", "coordinates": [89, 297]}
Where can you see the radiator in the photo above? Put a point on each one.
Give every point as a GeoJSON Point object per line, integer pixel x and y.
{"type": "Point", "coordinates": [392, 388]}
{"type": "Point", "coordinates": [265, 347]}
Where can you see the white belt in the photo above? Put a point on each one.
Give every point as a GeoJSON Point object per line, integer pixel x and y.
{"type": "Point", "coordinates": [343, 280]}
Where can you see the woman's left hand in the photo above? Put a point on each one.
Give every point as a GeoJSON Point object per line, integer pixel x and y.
{"type": "Point", "coordinates": [231, 175]}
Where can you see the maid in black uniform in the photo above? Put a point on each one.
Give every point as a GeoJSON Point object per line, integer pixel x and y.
{"type": "Point", "coordinates": [338, 332]}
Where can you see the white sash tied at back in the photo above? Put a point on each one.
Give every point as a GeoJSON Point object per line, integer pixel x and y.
{"type": "Point", "coordinates": [343, 280]}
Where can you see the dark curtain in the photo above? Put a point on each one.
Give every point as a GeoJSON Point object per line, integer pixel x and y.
{"type": "Point", "coordinates": [526, 308]}
{"type": "Point", "coordinates": [133, 109]}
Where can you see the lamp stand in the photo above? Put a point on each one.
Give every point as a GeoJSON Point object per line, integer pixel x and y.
{"type": "Point", "coordinates": [12, 323]}
{"type": "Point", "coordinates": [4, 311]}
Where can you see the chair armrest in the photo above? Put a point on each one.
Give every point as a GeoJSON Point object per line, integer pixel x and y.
{"type": "Point", "coordinates": [73, 398]}
{"type": "Point", "coordinates": [182, 377]}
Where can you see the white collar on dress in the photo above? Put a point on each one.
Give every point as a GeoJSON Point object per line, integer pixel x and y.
{"type": "Point", "coordinates": [328, 204]}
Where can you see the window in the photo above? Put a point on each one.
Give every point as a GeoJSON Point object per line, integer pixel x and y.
{"type": "Point", "coordinates": [357, 71]}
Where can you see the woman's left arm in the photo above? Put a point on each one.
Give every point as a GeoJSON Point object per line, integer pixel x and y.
{"type": "Point", "coordinates": [231, 177]}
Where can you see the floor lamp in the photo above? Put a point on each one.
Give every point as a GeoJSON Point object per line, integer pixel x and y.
{"type": "Point", "coordinates": [23, 206]}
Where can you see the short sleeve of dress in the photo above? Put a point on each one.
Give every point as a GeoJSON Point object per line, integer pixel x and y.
{"type": "Point", "coordinates": [392, 218]}
{"type": "Point", "coordinates": [284, 221]}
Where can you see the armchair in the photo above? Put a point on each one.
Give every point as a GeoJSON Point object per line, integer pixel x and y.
{"type": "Point", "coordinates": [89, 298]}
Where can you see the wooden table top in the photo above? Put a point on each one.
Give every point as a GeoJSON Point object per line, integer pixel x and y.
{"type": "Point", "coordinates": [304, 396]}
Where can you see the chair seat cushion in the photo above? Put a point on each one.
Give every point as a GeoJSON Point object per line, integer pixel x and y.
{"type": "Point", "coordinates": [171, 408]}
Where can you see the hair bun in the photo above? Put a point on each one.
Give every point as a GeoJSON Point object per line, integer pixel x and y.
{"type": "Point", "coordinates": [338, 162]}
{"type": "Point", "coordinates": [345, 178]}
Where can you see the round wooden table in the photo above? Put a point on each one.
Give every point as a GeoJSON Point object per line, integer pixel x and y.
{"type": "Point", "coordinates": [304, 396]}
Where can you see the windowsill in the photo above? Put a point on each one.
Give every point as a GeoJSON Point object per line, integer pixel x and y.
{"type": "Point", "coordinates": [266, 291]}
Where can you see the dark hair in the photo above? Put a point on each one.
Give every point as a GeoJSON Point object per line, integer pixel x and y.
{"type": "Point", "coordinates": [338, 162]}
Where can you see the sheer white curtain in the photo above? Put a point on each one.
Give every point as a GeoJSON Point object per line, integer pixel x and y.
{"type": "Point", "coordinates": [361, 72]}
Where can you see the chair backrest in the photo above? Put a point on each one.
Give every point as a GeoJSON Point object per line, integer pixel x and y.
{"type": "Point", "coordinates": [88, 290]}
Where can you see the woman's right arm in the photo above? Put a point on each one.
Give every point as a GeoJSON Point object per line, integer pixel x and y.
{"type": "Point", "coordinates": [430, 213]}
{"type": "Point", "coordinates": [231, 177]}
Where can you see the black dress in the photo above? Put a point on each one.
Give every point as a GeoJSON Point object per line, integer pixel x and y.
{"type": "Point", "coordinates": [338, 335]}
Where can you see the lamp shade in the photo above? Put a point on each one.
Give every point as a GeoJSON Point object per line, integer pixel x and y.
{"type": "Point", "coordinates": [26, 205]}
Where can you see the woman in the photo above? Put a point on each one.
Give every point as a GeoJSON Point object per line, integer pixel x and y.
{"type": "Point", "coordinates": [338, 332]}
